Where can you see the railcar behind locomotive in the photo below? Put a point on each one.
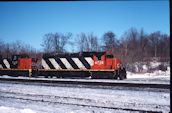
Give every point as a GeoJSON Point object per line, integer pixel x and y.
{"type": "Point", "coordinates": [85, 64]}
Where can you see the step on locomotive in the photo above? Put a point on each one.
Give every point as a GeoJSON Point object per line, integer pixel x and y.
{"type": "Point", "coordinates": [96, 65]}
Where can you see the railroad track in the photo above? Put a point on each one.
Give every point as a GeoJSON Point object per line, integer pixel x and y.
{"type": "Point", "coordinates": [51, 99]}
{"type": "Point", "coordinates": [138, 85]}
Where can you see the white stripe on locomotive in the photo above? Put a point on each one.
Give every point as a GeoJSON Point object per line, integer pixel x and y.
{"type": "Point", "coordinates": [1, 66]}
{"type": "Point", "coordinates": [55, 64]}
{"type": "Point", "coordinates": [66, 63]}
{"type": "Point", "coordinates": [45, 65]}
{"type": "Point", "coordinates": [6, 63]}
{"type": "Point", "coordinates": [89, 60]}
{"type": "Point", "coordinates": [78, 63]}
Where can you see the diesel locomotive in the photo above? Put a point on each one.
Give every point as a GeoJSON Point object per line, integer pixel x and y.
{"type": "Point", "coordinates": [100, 65]}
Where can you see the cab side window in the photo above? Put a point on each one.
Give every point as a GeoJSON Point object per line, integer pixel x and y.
{"type": "Point", "coordinates": [109, 56]}
{"type": "Point", "coordinates": [99, 57]}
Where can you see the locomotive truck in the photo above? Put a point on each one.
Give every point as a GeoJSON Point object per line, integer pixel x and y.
{"type": "Point", "coordinates": [83, 64]}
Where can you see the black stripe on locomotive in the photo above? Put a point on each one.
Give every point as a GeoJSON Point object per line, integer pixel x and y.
{"type": "Point", "coordinates": [81, 56]}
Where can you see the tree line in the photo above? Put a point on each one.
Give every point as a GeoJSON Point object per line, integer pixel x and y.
{"type": "Point", "coordinates": [133, 46]}
{"type": "Point", "coordinates": [15, 48]}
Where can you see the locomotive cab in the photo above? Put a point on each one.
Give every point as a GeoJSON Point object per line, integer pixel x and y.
{"type": "Point", "coordinates": [23, 61]}
{"type": "Point", "coordinates": [108, 62]}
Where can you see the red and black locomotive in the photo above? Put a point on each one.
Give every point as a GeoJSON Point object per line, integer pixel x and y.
{"type": "Point", "coordinates": [83, 64]}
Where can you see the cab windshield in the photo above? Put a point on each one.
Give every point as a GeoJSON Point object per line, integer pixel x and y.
{"type": "Point", "coordinates": [109, 56]}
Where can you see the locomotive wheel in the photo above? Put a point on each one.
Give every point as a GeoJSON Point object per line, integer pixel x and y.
{"type": "Point", "coordinates": [93, 76]}
{"type": "Point", "coordinates": [121, 77]}
{"type": "Point", "coordinates": [122, 74]}
{"type": "Point", "coordinates": [115, 75]}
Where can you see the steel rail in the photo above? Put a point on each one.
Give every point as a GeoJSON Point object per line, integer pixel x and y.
{"type": "Point", "coordinates": [67, 97]}
{"type": "Point", "coordinates": [138, 85]}
{"type": "Point", "coordinates": [83, 105]}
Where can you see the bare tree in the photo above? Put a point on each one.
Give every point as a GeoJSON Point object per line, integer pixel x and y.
{"type": "Point", "coordinates": [124, 48]}
{"type": "Point", "coordinates": [164, 47]}
{"type": "Point", "coordinates": [92, 44]}
{"type": "Point", "coordinates": [1, 46]}
{"type": "Point", "coordinates": [7, 51]}
{"type": "Point", "coordinates": [88, 42]}
{"type": "Point", "coordinates": [109, 40]}
{"type": "Point", "coordinates": [82, 42]}
{"type": "Point", "coordinates": [55, 43]}
{"type": "Point", "coordinates": [60, 41]}
{"type": "Point", "coordinates": [47, 43]}
{"type": "Point", "coordinates": [17, 47]}
{"type": "Point", "coordinates": [142, 45]}
{"type": "Point", "coordinates": [154, 38]}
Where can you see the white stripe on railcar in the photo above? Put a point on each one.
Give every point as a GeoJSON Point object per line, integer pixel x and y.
{"type": "Point", "coordinates": [78, 63]}
{"type": "Point", "coordinates": [66, 63]}
{"type": "Point", "coordinates": [55, 64]}
{"type": "Point", "coordinates": [1, 66]}
{"type": "Point", "coordinates": [6, 63]}
{"type": "Point", "coordinates": [89, 60]}
{"type": "Point", "coordinates": [45, 65]}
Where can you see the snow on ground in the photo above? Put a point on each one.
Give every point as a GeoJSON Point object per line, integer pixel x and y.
{"type": "Point", "coordinates": [157, 77]}
{"type": "Point", "coordinates": [154, 64]}
{"type": "Point", "coordinates": [157, 73]}
{"type": "Point", "coordinates": [55, 99]}
{"type": "Point", "coordinates": [60, 99]}
{"type": "Point", "coordinates": [4, 109]}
